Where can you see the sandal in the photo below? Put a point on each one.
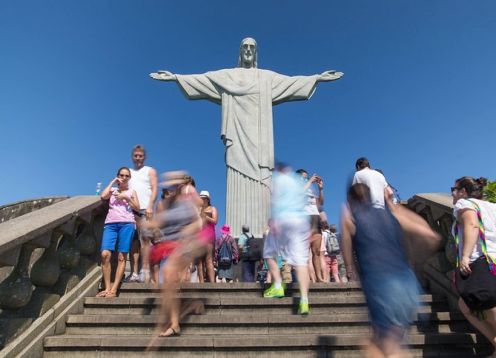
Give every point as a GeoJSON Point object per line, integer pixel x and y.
{"type": "Point", "coordinates": [102, 294]}
{"type": "Point", "coordinates": [170, 332]}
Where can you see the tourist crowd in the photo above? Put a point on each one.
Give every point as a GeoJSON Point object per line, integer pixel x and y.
{"type": "Point", "coordinates": [176, 241]}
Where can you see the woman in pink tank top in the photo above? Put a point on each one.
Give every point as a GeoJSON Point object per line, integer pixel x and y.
{"type": "Point", "coordinates": [119, 228]}
{"type": "Point", "coordinates": [207, 236]}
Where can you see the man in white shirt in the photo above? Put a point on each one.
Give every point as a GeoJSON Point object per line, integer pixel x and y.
{"type": "Point", "coordinates": [376, 182]}
{"type": "Point", "coordinates": [144, 182]}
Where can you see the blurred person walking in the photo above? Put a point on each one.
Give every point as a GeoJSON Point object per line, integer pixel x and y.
{"type": "Point", "coordinates": [119, 228]}
{"type": "Point", "coordinates": [389, 284]}
{"type": "Point", "coordinates": [475, 236]}
{"type": "Point", "coordinates": [144, 182]}
{"type": "Point", "coordinates": [179, 225]}
{"type": "Point", "coordinates": [291, 231]}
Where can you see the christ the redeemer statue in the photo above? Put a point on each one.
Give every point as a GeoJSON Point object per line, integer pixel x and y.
{"type": "Point", "coordinates": [247, 95]}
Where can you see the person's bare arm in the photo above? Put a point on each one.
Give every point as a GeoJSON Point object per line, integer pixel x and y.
{"type": "Point", "coordinates": [134, 201]}
{"type": "Point", "coordinates": [154, 183]}
{"type": "Point", "coordinates": [214, 216]}
{"type": "Point", "coordinates": [320, 185]}
{"type": "Point", "coordinates": [388, 193]}
{"type": "Point", "coordinates": [160, 206]}
{"type": "Point", "coordinates": [108, 190]}
{"type": "Point", "coordinates": [347, 230]}
{"type": "Point", "coordinates": [470, 229]}
{"type": "Point", "coordinates": [414, 225]}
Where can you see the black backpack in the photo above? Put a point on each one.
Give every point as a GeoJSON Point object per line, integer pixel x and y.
{"type": "Point", "coordinates": [225, 254]}
{"type": "Point", "coordinates": [255, 248]}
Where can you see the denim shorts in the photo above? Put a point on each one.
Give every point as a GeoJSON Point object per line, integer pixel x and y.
{"type": "Point", "coordinates": [120, 233]}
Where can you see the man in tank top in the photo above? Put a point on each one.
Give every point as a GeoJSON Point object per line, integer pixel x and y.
{"type": "Point", "coordinates": [144, 182]}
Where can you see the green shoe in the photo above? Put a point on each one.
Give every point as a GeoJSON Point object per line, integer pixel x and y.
{"type": "Point", "coordinates": [273, 292]}
{"type": "Point", "coordinates": [303, 308]}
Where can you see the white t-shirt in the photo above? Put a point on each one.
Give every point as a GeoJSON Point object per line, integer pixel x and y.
{"type": "Point", "coordinates": [325, 238]}
{"type": "Point", "coordinates": [311, 205]}
{"type": "Point", "coordinates": [488, 214]}
{"type": "Point", "coordinates": [140, 182]}
{"type": "Point", "coordinates": [376, 183]}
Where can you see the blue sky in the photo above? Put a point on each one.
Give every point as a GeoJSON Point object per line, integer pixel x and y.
{"type": "Point", "coordinates": [417, 97]}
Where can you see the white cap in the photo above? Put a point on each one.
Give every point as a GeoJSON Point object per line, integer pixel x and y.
{"type": "Point", "coordinates": [205, 194]}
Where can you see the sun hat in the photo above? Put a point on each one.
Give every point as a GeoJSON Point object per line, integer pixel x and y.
{"type": "Point", "coordinates": [204, 194]}
{"type": "Point", "coordinates": [225, 229]}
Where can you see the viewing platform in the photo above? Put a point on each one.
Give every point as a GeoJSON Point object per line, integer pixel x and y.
{"type": "Point", "coordinates": [49, 276]}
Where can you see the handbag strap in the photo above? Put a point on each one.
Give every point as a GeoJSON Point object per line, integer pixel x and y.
{"type": "Point", "coordinates": [482, 239]}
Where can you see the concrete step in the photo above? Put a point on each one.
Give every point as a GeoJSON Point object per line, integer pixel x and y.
{"type": "Point", "coordinates": [236, 288]}
{"type": "Point", "coordinates": [256, 324]}
{"type": "Point", "coordinates": [300, 345]}
{"type": "Point", "coordinates": [244, 305]}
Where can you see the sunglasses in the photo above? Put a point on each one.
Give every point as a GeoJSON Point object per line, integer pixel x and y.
{"type": "Point", "coordinates": [453, 188]}
{"type": "Point", "coordinates": [124, 176]}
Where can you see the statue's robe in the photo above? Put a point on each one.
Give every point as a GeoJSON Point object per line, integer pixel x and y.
{"type": "Point", "coordinates": [247, 97]}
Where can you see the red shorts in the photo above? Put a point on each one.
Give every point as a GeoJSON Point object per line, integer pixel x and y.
{"type": "Point", "coordinates": [162, 250]}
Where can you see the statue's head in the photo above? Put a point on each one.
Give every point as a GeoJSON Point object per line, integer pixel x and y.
{"type": "Point", "coordinates": [248, 53]}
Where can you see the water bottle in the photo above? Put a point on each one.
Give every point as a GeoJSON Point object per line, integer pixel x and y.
{"type": "Point", "coordinates": [98, 189]}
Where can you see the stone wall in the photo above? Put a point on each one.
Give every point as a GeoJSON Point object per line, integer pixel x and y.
{"type": "Point", "coordinates": [19, 208]}
{"type": "Point", "coordinates": [437, 210]}
{"type": "Point", "coordinates": [43, 255]}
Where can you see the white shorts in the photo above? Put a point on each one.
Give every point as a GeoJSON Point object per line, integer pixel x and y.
{"type": "Point", "coordinates": [290, 240]}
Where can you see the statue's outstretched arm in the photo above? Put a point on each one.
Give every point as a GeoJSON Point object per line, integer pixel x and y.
{"type": "Point", "coordinates": [331, 75]}
{"type": "Point", "coordinates": [163, 76]}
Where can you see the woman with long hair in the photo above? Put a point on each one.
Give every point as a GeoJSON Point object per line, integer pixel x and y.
{"type": "Point", "coordinates": [475, 234]}
{"type": "Point", "coordinates": [119, 228]}
{"type": "Point", "coordinates": [209, 217]}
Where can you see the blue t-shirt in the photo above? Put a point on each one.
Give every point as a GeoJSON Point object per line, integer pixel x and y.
{"type": "Point", "coordinates": [288, 196]}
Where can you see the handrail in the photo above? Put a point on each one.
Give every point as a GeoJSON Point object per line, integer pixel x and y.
{"type": "Point", "coordinates": [44, 254]}
{"type": "Point", "coordinates": [18, 208]}
{"type": "Point", "coordinates": [437, 210]}
{"type": "Point", "coordinates": [26, 227]}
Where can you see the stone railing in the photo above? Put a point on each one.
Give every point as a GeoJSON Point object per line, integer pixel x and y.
{"type": "Point", "coordinates": [43, 256]}
{"type": "Point", "coordinates": [19, 208]}
{"type": "Point", "coordinates": [437, 210]}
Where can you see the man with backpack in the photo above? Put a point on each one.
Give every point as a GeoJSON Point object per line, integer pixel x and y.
{"type": "Point", "coordinates": [333, 250]}
{"type": "Point", "coordinates": [251, 253]}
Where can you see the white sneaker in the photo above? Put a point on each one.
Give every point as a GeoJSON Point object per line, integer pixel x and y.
{"type": "Point", "coordinates": [143, 275]}
{"type": "Point", "coordinates": [132, 278]}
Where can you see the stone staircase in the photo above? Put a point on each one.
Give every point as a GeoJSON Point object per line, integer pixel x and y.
{"type": "Point", "coordinates": [239, 322]}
